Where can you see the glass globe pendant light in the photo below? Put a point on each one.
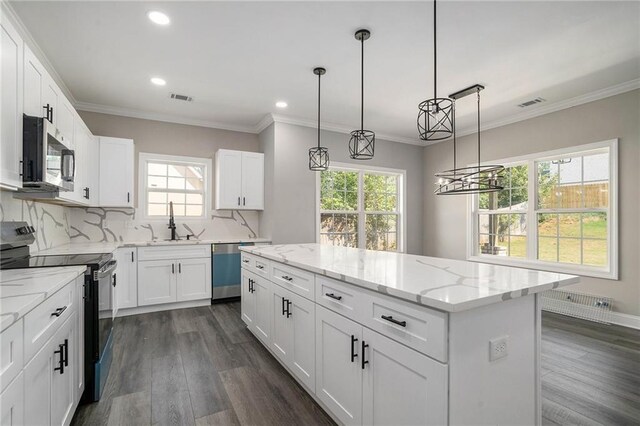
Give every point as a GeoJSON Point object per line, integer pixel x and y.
{"type": "Point", "coordinates": [435, 115]}
{"type": "Point", "coordinates": [362, 142]}
{"type": "Point", "coordinates": [319, 155]}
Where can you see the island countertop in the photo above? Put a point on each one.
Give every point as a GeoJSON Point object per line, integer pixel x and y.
{"type": "Point", "coordinates": [445, 284]}
{"type": "Point", "coordinates": [21, 290]}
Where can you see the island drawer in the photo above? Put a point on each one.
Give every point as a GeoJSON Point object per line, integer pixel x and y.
{"type": "Point", "coordinates": [294, 279]}
{"type": "Point", "coordinates": [192, 251]}
{"type": "Point", "coordinates": [43, 321]}
{"type": "Point", "coordinates": [420, 328]}
{"type": "Point", "coordinates": [256, 264]}
{"type": "Point", "coordinates": [11, 356]}
{"type": "Point", "coordinates": [339, 297]}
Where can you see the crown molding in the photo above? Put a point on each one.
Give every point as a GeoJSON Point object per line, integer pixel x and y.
{"type": "Point", "coordinates": [35, 48]}
{"type": "Point", "coordinates": [156, 116]}
{"type": "Point", "coordinates": [557, 106]}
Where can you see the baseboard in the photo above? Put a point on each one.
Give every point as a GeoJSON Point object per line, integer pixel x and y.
{"type": "Point", "coordinates": [163, 307]}
{"type": "Point", "coordinates": [625, 320]}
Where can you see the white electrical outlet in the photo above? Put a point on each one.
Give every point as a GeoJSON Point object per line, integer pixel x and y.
{"type": "Point", "coordinates": [498, 348]}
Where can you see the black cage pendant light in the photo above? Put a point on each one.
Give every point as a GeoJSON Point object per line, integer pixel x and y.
{"type": "Point", "coordinates": [362, 142]}
{"type": "Point", "coordinates": [473, 179]}
{"type": "Point", "coordinates": [435, 115]}
{"type": "Point", "coordinates": [319, 155]}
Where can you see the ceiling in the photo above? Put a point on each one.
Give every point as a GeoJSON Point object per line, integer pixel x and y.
{"type": "Point", "coordinates": [236, 59]}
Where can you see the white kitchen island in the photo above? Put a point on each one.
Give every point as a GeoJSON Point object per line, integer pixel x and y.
{"type": "Point", "coordinates": [389, 339]}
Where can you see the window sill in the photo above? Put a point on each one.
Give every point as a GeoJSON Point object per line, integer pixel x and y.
{"type": "Point", "coordinates": [583, 271]}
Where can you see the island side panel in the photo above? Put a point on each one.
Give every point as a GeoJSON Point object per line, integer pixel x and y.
{"type": "Point", "coordinates": [503, 391]}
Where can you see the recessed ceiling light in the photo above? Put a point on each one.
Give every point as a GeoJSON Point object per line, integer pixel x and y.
{"type": "Point", "coordinates": [158, 81]}
{"type": "Point", "coordinates": [158, 17]}
{"type": "Point", "coordinates": [281, 104]}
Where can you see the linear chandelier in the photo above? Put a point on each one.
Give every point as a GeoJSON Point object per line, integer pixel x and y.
{"type": "Point", "coordinates": [319, 155]}
{"type": "Point", "coordinates": [362, 142]}
{"type": "Point", "coordinates": [473, 179]}
{"type": "Point", "coordinates": [435, 115]}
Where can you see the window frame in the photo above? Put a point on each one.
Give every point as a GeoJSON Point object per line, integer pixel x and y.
{"type": "Point", "coordinates": [531, 261]}
{"type": "Point", "coordinates": [144, 158]}
{"type": "Point", "coordinates": [362, 170]}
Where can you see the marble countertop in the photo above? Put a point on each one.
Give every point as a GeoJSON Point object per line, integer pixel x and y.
{"type": "Point", "coordinates": [110, 247]}
{"type": "Point", "coordinates": [445, 284]}
{"type": "Point", "coordinates": [21, 290]}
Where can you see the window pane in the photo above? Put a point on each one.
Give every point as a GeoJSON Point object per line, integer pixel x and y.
{"type": "Point", "coordinates": [157, 197]}
{"type": "Point", "coordinates": [547, 181]}
{"type": "Point", "coordinates": [179, 209]}
{"type": "Point", "coordinates": [157, 169]}
{"type": "Point", "coordinates": [195, 184]}
{"type": "Point", "coordinates": [518, 247]}
{"type": "Point", "coordinates": [175, 170]}
{"type": "Point", "coordinates": [157, 209]}
{"type": "Point", "coordinates": [569, 225]}
{"type": "Point", "coordinates": [493, 244]}
{"type": "Point", "coordinates": [339, 229]}
{"type": "Point", "coordinates": [176, 183]}
{"type": "Point", "coordinates": [157, 182]}
{"type": "Point", "coordinates": [570, 170]}
{"type": "Point", "coordinates": [194, 199]}
{"type": "Point", "coordinates": [175, 197]}
{"type": "Point", "coordinates": [547, 225]}
{"type": "Point", "coordinates": [596, 194]}
{"type": "Point", "coordinates": [192, 210]}
{"type": "Point", "coordinates": [594, 225]}
{"type": "Point", "coordinates": [548, 249]}
{"type": "Point", "coordinates": [596, 168]}
{"type": "Point", "coordinates": [569, 250]}
{"type": "Point", "coordinates": [595, 252]}
{"type": "Point", "coordinates": [378, 227]}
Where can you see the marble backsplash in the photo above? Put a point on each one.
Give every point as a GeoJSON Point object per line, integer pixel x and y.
{"type": "Point", "coordinates": [51, 221]}
{"type": "Point", "coordinates": [97, 224]}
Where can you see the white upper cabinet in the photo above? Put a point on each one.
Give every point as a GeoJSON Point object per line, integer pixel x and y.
{"type": "Point", "coordinates": [34, 82]}
{"type": "Point", "coordinates": [65, 120]}
{"type": "Point", "coordinates": [116, 172]}
{"type": "Point", "coordinates": [239, 180]}
{"type": "Point", "coordinates": [11, 106]}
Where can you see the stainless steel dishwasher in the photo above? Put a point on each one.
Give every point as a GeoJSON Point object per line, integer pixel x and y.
{"type": "Point", "coordinates": [225, 271]}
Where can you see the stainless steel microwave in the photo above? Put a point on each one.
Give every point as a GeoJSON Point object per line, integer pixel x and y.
{"type": "Point", "coordinates": [48, 163]}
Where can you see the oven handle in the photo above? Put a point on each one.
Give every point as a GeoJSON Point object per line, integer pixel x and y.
{"type": "Point", "coordinates": [107, 269]}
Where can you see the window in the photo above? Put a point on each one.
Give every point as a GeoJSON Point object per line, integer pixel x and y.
{"type": "Point", "coordinates": [181, 180]}
{"type": "Point", "coordinates": [557, 212]}
{"type": "Point", "coordinates": [361, 208]}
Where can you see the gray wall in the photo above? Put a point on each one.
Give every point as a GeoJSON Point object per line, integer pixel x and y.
{"type": "Point", "coordinates": [291, 210]}
{"type": "Point", "coordinates": [445, 223]}
{"type": "Point", "coordinates": [168, 138]}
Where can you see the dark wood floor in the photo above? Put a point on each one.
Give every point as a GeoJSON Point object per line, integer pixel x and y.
{"type": "Point", "coordinates": [201, 366]}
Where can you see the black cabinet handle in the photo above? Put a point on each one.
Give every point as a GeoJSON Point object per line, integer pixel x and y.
{"type": "Point", "coordinates": [173, 268]}
{"type": "Point", "coordinates": [333, 296]}
{"type": "Point", "coordinates": [60, 366]}
{"type": "Point", "coordinates": [283, 302]}
{"type": "Point", "coordinates": [58, 311]}
{"type": "Point", "coordinates": [288, 308]}
{"type": "Point", "coordinates": [179, 268]}
{"type": "Point", "coordinates": [354, 355]}
{"type": "Point", "coordinates": [251, 289]}
{"type": "Point", "coordinates": [238, 200]}
{"type": "Point", "coordinates": [244, 201]}
{"type": "Point", "coordinates": [259, 266]}
{"type": "Point", "coordinates": [132, 256]}
{"type": "Point", "coordinates": [128, 197]}
{"type": "Point", "coordinates": [393, 320]}
{"type": "Point", "coordinates": [49, 109]}
{"type": "Point", "coordinates": [115, 278]}
{"type": "Point", "coordinates": [287, 278]}
{"type": "Point", "coordinates": [364, 361]}
{"type": "Point", "coordinates": [66, 352]}
{"type": "Point", "coordinates": [245, 260]}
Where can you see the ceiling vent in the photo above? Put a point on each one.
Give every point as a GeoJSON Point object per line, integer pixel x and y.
{"type": "Point", "coordinates": [531, 102]}
{"type": "Point", "coordinates": [181, 97]}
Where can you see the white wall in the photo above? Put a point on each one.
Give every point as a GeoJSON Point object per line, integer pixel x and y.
{"type": "Point", "coordinates": [290, 205]}
{"type": "Point", "coordinates": [445, 223]}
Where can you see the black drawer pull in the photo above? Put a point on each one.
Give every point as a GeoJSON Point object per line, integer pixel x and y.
{"type": "Point", "coordinates": [259, 266]}
{"type": "Point", "coordinates": [288, 308]}
{"type": "Point", "coordinates": [60, 366]}
{"type": "Point", "coordinates": [58, 311]}
{"type": "Point", "coordinates": [283, 302]}
{"type": "Point", "coordinates": [245, 260]}
{"type": "Point", "coordinates": [287, 278]}
{"type": "Point", "coordinates": [333, 296]}
{"type": "Point", "coordinates": [393, 320]}
{"type": "Point", "coordinates": [66, 352]}
{"type": "Point", "coordinates": [364, 346]}
{"type": "Point", "coordinates": [251, 286]}
{"type": "Point", "coordinates": [353, 349]}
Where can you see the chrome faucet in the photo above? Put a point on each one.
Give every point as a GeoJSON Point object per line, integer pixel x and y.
{"type": "Point", "coordinates": [172, 222]}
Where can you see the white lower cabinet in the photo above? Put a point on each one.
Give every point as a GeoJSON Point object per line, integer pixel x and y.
{"type": "Point", "coordinates": [156, 282]}
{"type": "Point", "coordinates": [126, 278]}
{"type": "Point", "coordinates": [247, 300]}
{"type": "Point", "coordinates": [194, 279]}
{"type": "Point", "coordinates": [12, 403]}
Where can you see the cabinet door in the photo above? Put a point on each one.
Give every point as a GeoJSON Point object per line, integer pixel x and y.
{"type": "Point", "coordinates": [252, 181]}
{"type": "Point", "coordinates": [401, 386]}
{"type": "Point", "coordinates": [63, 383]}
{"type": "Point", "coordinates": [12, 403]}
{"type": "Point", "coordinates": [116, 172]}
{"type": "Point", "coordinates": [38, 375]}
{"type": "Point", "coordinates": [262, 295]}
{"type": "Point", "coordinates": [65, 119]}
{"type": "Point", "coordinates": [34, 82]}
{"type": "Point", "coordinates": [228, 179]}
{"type": "Point", "coordinates": [303, 348]}
{"type": "Point", "coordinates": [282, 330]}
{"type": "Point", "coordinates": [79, 339]}
{"type": "Point", "coordinates": [11, 63]}
{"type": "Point", "coordinates": [50, 96]}
{"type": "Point", "coordinates": [248, 301]}
{"type": "Point", "coordinates": [194, 279]}
{"type": "Point", "coordinates": [156, 282]}
{"type": "Point", "coordinates": [338, 368]}
{"type": "Point", "coordinates": [127, 273]}
{"type": "Point", "coordinates": [93, 170]}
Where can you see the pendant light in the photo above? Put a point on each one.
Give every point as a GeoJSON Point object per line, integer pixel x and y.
{"type": "Point", "coordinates": [319, 155]}
{"type": "Point", "coordinates": [362, 142]}
{"type": "Point", "coordinates": [435, 115]}
{"type": "Point", "coordinates": [473, 179]}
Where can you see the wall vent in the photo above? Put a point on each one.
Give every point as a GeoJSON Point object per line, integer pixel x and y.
{"type": "Point", "coordinates": [181, 97]}
{"type": "Point", "coordinates": [531, 102]}
{"type": "Point", "coordinates": [578, 305]}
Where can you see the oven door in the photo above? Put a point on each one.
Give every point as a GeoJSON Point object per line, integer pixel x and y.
{"type": "Point", "coordinates": [106, 280]}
